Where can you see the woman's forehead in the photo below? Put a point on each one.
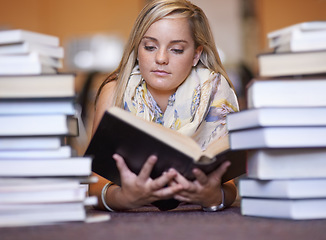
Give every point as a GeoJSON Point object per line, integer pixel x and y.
{"type": "Point", "coordinates": [178, 28]}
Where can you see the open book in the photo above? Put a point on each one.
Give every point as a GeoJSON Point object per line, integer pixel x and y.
{"type": "Point", "coordinates": [136, 139]}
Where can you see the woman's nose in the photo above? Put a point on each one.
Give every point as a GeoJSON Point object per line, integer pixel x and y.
{"type": "Point", "coordinates": [162, 57]}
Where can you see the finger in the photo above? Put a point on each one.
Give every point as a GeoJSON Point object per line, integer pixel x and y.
{"type": "Point", "coordinates": [182, 198]}
{"type": "Point", "coordinates": [218, 173]}
{"type": "Point", "coordinates": [187, 185]}
{"type": "Point", "coordinates": [147, 168]}
{"type": "Point", "coordinates": [168, 192]}
{"type": "Point", "coordinates": [165, 179]}
{"type": "Point", "coordinates": [121, 165]}
{"type": "Point", "coordinates": [172, 183]}
{"type": "Point", "coordinates": [200, 176]}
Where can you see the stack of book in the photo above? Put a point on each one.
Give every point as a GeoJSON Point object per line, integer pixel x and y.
{"type": "Point", "coordinates": [40, 175]}
{"type": "Point", "coordinates": [299, 49]}
{"type": "Point", "coordinates": [284, 129]}
{"type": "Point", "coordinates": [26, 52]}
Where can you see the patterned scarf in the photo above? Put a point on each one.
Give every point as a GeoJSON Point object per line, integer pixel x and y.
{"type": "Point", "coordinates": [197, 109]}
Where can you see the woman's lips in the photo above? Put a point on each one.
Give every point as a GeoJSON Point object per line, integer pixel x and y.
{"type": "Point", "coordinates": [161, 73]}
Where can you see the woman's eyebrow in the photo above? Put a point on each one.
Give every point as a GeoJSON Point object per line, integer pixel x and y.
{"type": "Point", "coordinates": [173, 41]}
{"type": "Point", "coordinates": [179, 41]}
{"type": "Point", "coordinates": [150, 38]}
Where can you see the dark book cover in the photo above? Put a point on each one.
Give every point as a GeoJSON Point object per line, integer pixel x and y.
{"type": "Point", "coordinates": [116, 136]}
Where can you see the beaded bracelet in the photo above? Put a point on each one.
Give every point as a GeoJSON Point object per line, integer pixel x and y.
{"type": "Point", "coordinates": [103, 194]}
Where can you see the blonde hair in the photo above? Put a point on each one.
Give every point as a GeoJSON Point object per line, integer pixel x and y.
{"type": "Point", "coordinates": [152, 12]}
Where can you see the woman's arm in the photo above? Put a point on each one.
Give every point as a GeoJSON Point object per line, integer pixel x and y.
{"type": "Point", "coordinates": [230, 191]}
{"type": "Point", "coordinates": [104, 101]}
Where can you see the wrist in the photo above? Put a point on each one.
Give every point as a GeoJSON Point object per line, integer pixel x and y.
{"type": "Point", "coordinates": [117, 200]}
{"type": "Point", "coordinates": [104, 196]}
{"type": "Point", "coordinates": [217, 207]}
{"type": "Point", "coordinates": [123, 201]}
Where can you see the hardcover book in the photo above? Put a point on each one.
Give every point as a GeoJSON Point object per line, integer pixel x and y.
{"type": "Point", "coordinates": [42, 167]}
{"type": "Point", "coordinates": [27, 47]}
{"type": "Point", "coordinates": [291, 63]}
{"type": "Point", "coordinates": [293, 163]}
{"type": "Point", "coordinates": [17, 61]}
{"type": "Point", "coordinates": [37, 86]}
{"type": "Point", "coordinates": [38, 125]}
{"type": "Point", "coordinates": [60, 152]}
{"type": "Point", "coordinates": [279, 137]}
{"type": "Point", "coordinates": [283, 188]}
{"type": "Point", "coordinates": [30, 143]}
{"type": "Point", "coordinates": [136, 139]}
{"type": "Point", "coordinates": [20, 106]}
{"type": "Point", "coordinates": [20, 35]}
{"type": "Point", "coordinates": [286, 92]}
{"type": "Point", "coordinates": [14, 215]}
{"type": "Point", "coordinates": [273, 116]}
{"type": "Point", "coordinates": [297, 209]}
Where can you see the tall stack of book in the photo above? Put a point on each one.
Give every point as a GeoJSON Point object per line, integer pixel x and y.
{"type": "Point", "coordinates": [40, 176]}
{"type": "Point", "coordinates": [284, 127]}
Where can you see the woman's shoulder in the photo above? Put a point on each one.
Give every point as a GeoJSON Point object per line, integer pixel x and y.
{"type": "Point", "coordinates": [225, 83]}
{"type": "Point", "coordinates": [110, 86]}
{"type": "Point", "coordinates": [104, 101]}
{"type": "Point", "coordinates": [108, 89]}
{"type": "Point", "coordinates": [226, 91]}
{"type": "Point", "coordinates": [106, 94]}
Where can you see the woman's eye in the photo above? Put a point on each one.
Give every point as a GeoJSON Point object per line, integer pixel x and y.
{"type": "Point", "coordinates": [149, 48]}
{"type": "Point", "coordinates": [177, 51]}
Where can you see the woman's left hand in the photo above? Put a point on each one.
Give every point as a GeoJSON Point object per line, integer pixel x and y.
{"type": "Point", "coordinates": [205, 190]}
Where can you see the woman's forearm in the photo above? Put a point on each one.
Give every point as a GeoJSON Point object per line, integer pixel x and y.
{"type": "Point", "coordinates": [110, 196]}
{"type": "Point", "coordinates": [230, 193]}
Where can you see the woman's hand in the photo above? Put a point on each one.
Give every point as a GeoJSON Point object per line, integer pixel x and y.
{"type": "Point", "coordinates": [205, 190]}
{"type": "Point", "coordinates": [137, 191]}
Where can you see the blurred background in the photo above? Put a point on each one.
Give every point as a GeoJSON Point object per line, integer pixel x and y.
{"type": "Point", "coordinates": [93, 33]}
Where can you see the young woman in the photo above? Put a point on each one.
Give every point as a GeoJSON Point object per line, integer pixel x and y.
{"type": "Point", "coordinates": [170, 74]}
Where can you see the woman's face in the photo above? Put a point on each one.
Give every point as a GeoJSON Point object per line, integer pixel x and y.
{"type": "Point", "coordinates": [166, 55]}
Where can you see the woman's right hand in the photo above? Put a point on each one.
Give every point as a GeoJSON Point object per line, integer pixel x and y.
{"type": "Point", "coordinates": [137, 191]}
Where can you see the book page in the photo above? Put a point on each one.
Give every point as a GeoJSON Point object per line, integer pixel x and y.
{"type": "Point", "coordinates": [184, 144]}
{"type": "Point", "coordinates": [218, 146]}
{"type": "Point", "coordinates": [172, 138]}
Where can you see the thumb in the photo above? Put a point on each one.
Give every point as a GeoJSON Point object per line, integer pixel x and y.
{"type": "Point", "coordinates": [219, 172]}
